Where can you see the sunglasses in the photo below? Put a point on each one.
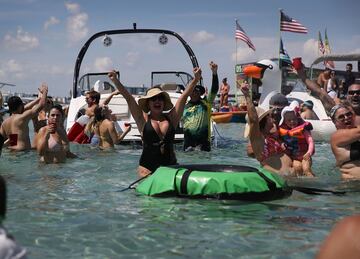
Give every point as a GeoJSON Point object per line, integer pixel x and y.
{"type": "Point", "coordinates": [353, 92]}
{"type": "Point", "coordinates": [342, 116]}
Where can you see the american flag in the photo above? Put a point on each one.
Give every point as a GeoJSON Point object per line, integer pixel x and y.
{"type": "Point", "coordinates": [327, 50]}
{"type": "Point", "coordinates": [241, 35]}
{"type": "Point", "coordinates": [289, 24]}
{"type": "Point", "coordinates": [321, 44]}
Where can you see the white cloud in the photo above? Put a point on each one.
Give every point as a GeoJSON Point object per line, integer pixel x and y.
{"type": "Point", "coordinates": [72, 7]}
{"type": "Point", "coordinates": [243, 55]}
{"type": "Point", "coordinates": [22, 41]}
{"type": "Point", "coordinates": [76, 23]}
{"type": "Point", "coordinates": [13, 66]}
{"type": "Point", "coordinates": [103, 64]}
{"type": "Point", "coordinates": [52, 21]}
{"type": "Point", "coordinates": [310, 51]}
{"type": "Point", "coordinates": [202, 37]}
{"type": "Point", "coordinates": [132, 58]}
{"type": "Point", "coordinates": [11, 69]}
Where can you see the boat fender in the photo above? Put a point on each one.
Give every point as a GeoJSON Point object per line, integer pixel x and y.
{"type": "Point", "coordinates": [76, 132]}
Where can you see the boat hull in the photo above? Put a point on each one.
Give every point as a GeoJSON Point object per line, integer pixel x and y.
{"type": "Point", "coordinates": [226, 117]}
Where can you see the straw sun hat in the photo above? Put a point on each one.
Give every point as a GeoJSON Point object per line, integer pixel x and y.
{"type": "Point", "coordinates": [151, 92]}
{"type": "Point", "coordinates": [261, 114]}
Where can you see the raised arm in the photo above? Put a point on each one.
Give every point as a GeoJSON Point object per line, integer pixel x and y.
{"type": "Point", "coordinates": [315, 89]}
{"type": "Point", "coordinates": [108, 99]}
{"type": "Point", "coordinates": [31, 104]}
{"type": "Point", "coordinates": [214, 83]}
{"type": "Point", "coordinates": [28, 114]}
{"type": "Point", "coordinates": [255, 136]}
{"type": "Point", "coordinates": [135, 109]}
{"type": "Point", "coordinates": [177, 112]}
{"type": "Point", "coordinates": [42, 145]}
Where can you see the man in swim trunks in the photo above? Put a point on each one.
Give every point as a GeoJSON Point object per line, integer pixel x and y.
{"type": "Point", "coordinates": [224, 93]}
{"type": "Point", "coordinates": [345, 142]}
{"type": "Point", "coordinates": [16, 127]}
{"type": "Point", "coordinates": [197, 113]}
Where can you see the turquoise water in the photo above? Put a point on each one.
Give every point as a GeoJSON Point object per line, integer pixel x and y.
{"type": "Point", "coordinates": [74, 210]}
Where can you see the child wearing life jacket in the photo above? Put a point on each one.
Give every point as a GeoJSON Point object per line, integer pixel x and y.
{"type": "Point", "coordinates": [296, 135]}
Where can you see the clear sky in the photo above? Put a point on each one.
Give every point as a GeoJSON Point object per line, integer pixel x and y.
{"type": "Point", "coordinates": [40, 39]}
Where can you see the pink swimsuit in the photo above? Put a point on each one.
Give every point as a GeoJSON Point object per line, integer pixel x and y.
{"type": "Point", "coordinates": [272, 146]}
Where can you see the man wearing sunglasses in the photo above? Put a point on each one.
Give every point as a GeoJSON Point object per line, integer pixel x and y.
{"type": "Point", "coordinates": [353, 94]}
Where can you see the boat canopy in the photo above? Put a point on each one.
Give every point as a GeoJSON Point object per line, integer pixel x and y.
{"type": "Point", "coordinates": [127, 31]}
{"type": "Point", "coordinates": [337, 57]}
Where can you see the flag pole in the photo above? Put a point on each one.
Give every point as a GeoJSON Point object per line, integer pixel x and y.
{"type": "Point", "coordinates": [236, 63]}
{"type": "Point", "coordinates": [280, 68]}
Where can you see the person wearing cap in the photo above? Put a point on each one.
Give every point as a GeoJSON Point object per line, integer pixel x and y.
{"type": "Point", "coordinates": [307, 112]}
{"type": "Point", "coordinates": [264, 137]}
{"type": "Point", "coordinates": [345, 141]}
{"type": "Point", "coordinates": [16, 127]}
{"type": "Point", "coordinates": [296, 135]}
{"type": "Point", "coordinates": [197, 114]}
{"type": "Point", "coordinates": [224, 93]}
{"type": "Point", "coordinates": [277, 102]}
{"type": "Point", "coordinates": [157, 128]}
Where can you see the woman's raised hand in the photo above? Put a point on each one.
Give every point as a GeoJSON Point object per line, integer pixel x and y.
{"type": "Point", "coordinates": [197, 73]}
{"type": "Point", "coordinates": [112, 75]}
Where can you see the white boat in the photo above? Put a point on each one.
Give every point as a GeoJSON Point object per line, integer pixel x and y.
{"type": "Point", "coordinates": [172, 80]}
{"type": "Point", "coordinates": [271, 84]}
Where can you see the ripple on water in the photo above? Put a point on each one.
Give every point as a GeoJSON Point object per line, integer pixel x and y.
{"type": "Point", "coordinates": [75, 210]}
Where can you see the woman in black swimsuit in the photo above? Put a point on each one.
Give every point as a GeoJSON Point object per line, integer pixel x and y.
{"type": "Point", "coordinates": [345, 141]}
{"type": "Point", "coordinates": [157, 128]}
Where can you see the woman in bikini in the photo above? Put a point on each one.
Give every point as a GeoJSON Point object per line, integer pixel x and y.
{"type": "Point", "coordinates": [264, 138]}
{"type": "Point", "coordinates": [157, 128]}
{"type": "Point", "coordinates": [52, 143]}
{"type": "Point", "coordinates": [345, 142]}
{"type": "Point", "coordinates": [105, 129]}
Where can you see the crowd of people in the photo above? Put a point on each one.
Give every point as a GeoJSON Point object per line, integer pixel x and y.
{"type": "Point", "coordinates": [280, 138]}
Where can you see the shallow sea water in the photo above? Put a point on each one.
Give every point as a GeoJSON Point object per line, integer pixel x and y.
{"type": "Point", "coordinates": [75, 210]}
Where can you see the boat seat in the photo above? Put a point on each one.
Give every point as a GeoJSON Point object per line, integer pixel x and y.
{"type": "Point", "coordinates": [103, 87]}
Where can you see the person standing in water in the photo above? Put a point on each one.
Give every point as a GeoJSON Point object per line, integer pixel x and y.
{"type": "Point", "coordinates": [197, 114]}
{"type": "Point", "coordinates": [224, 94]}
{"type": "Point", "coordinates": [157, 128]}
{"type": "Point", "coordinates": [16, 127]}
{"type": "Point", "coordinates": [104, 128]}
{"type": "Point", "coordinates": [52, 142]}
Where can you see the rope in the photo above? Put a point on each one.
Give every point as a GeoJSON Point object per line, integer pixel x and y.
{"type": "Point", "coordinates": [131, 185]}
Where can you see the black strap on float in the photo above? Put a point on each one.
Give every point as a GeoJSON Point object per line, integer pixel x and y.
{"type": "Point", "coordinates": [270, 183]}
{"type": "Point", "coordinates": [184, 181]}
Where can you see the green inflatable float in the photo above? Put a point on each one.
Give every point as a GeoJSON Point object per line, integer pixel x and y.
{"type": "Point", "coordinates": [230, 182]}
